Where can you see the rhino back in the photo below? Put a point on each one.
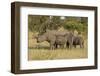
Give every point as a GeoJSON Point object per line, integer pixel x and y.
{"type": "Point", "coordinates": [50, 37]}
{"type": "Point", "coordinates": [56, 32]}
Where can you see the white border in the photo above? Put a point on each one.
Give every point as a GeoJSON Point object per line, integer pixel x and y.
{"type": "Point", "coordinates": [25, 64]}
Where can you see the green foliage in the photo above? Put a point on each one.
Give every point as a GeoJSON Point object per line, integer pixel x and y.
{"type": "Point", "coordinates": [72, 25]}
{"type": "Point", "coordinates": [40, 24]}
{"type": "Point", "coordinates": [37, 23]}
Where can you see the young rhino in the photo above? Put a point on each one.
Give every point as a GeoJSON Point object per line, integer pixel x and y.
{"type": "Point", "coordinates": [74, 40]}
{"type": "Point", "coordinates": [78, 40]}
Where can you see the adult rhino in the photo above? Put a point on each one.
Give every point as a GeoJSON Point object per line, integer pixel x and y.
{"type": "Point", "coordinates": [74, 40]}
{"type": "Point", "coordinates": [54, 37]}
{"type": "Point", "coordinates": [50, 38]}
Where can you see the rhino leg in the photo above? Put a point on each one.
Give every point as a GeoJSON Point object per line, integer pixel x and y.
{"type": "Point", "coordinates": [82, 45]}
{"type": "Point", "coordinates": [52, 45]}
{"type": "Point", "coordinates": [74, 46]}
{"type": "Point", "coordinates": [67, 44]}
{"type": "Point", "coordinates": [56, 46]}
{"type": "Point", "coordinates": [70, 44]}
{"type": "Point", "coordinates": [62, 46]}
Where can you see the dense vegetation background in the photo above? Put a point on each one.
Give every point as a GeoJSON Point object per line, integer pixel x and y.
{"type": "Point", "coordinates": [38, 23]}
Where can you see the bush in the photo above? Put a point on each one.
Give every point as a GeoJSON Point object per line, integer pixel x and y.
{"type": "Point", "coordinates": [72, 25]}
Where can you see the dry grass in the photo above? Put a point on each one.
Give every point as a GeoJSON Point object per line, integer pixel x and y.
{"type": "Point", "coordinates": [41, 51]}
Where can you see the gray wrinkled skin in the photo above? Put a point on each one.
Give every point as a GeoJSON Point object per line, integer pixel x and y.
{"type": "Point", "coordinates": [60, 38]}
{"type": "Point", "coordinates": [74, 41]}
{"type": "Point", "coordinates": [60, 41]}
{"type": "Point", "coordinates": [69, 38]}
{"type": "Point", "coordinates": [78, 40]}
{"type": "Point", "coordinates": [54, 37]}
{"type": "Point", "coordinates": [47, 37]}
{"type": "Point", "coordinates": [57, 33]}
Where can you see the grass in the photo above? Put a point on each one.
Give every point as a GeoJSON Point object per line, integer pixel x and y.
{"type": "Point", "coordinates": [41, 51]}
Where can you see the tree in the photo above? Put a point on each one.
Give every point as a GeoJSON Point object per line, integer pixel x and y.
{"type": "Point", "coordinates": [38, 23]}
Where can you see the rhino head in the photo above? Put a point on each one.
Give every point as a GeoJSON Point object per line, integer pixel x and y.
{"type": "Point", "coordinates": [40, 37]}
